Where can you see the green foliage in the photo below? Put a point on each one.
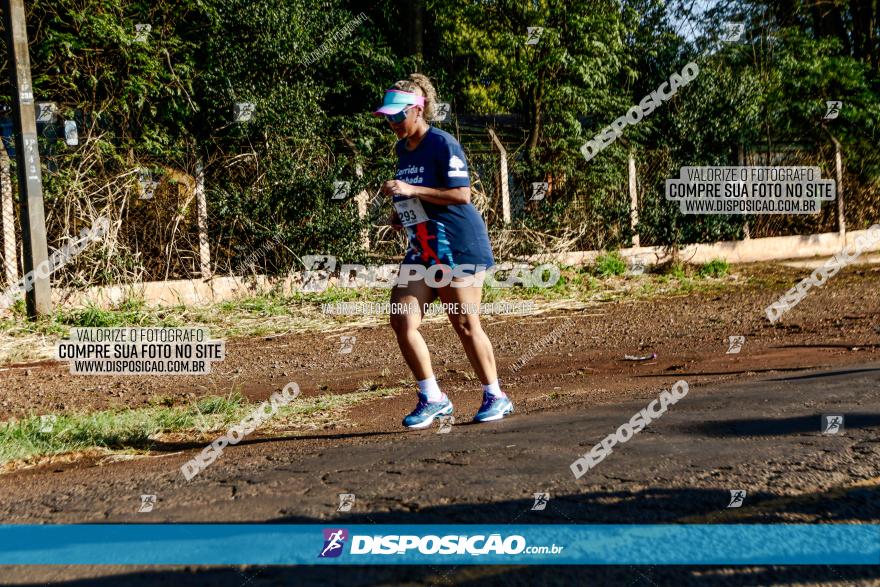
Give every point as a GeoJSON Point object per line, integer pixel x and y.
{"type": "Point", "coordinates": [676, 269]}
{"type": "Point", "coordinates": [714, 268]}
{"type": "Point", "coordinates": [168, 103]}
{"type": "Point", "coordinates": [610, 264]}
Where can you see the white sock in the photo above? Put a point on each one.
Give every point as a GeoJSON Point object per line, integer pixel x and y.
{"type": "Point", "coordinates": [493, 389]}
{"type": "Point", "coordinates": [430, 388]}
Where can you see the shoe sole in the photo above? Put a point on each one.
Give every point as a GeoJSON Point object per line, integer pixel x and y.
{"type": "Point", "coordinates": [429, 421]}
{"type": "Point", "coordinates": [496, 417]}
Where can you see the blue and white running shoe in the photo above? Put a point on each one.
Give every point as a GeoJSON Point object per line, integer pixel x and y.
{"type": "Point", "coordinates": [426, 411]}
{"type": "Point", "coordinates": [493, 408]}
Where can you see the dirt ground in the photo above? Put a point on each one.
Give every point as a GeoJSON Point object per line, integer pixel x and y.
{"type": "Point", "coordinates": [836, 324]}
{"type": "Point", "coordinates": [749, 423]}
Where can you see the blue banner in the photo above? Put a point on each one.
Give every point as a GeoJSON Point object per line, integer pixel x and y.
{"type": "Point", "coordinates": [271, 544]}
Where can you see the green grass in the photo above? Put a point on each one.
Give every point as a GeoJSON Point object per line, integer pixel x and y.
{"type": "Point", "coordinates": [135, 430]}
{"type": "Point", "coordinates": [678, 270]}
{"type": "Point", "coordinates": [128, 430]}
{"type": "Point", "coordinates": [714, 268]}
{"type": "Point", "coordinates": [275, 312]}
{"type": "Point", "coordinates": [610, 264]}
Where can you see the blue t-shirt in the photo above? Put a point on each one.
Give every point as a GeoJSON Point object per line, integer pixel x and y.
{"type": "Point", "coordinates": [453, 234]}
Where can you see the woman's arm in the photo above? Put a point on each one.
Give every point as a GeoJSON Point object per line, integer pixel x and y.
{"type": "Point", "coordinates": [441, 196]}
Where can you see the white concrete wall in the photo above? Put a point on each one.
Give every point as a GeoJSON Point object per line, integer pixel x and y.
{"type": "Point", "coordinates": [774, 248]}
{"type": "Point", "coordinates": [200, 292]}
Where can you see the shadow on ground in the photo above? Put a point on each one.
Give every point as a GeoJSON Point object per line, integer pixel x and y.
{"type": "Point", "coordinates": [778, 426]}
{"type": "Point", "coordinates": [354, 576]}
{"type": "Point", "coordinates": [860, 504]}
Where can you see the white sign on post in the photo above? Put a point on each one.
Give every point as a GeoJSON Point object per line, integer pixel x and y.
{"type": "Point", "coordinates": [71, 136]}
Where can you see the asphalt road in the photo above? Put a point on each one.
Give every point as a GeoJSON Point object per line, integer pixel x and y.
{"type": "Point", "coordinates": [762, 437]}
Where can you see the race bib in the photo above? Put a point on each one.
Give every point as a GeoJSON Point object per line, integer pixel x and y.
{"type": "Point", "coordinates": [411, 211]}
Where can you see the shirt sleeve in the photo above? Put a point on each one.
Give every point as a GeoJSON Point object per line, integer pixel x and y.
{"type": "Point", "coordinates": [453, 165]}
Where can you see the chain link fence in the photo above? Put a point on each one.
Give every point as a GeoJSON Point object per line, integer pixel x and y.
{"type": "Point", "coordinates": [155, 233]}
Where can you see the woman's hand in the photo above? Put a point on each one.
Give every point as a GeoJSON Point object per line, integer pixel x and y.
{"type": "Point", "coordinates": [395, 186]}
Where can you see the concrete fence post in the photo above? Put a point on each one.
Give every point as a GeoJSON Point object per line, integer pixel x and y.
{"type": "Point", "coordinates": [838, 172]}
{"type": "Point", "coordinates": [204, 246]}
{"type": "Point", "coordinates": [10, 258]}
{"type": "Point", "coordinates": [741, 161]}
{"type": "Point", "coordinates": [502, 181]}
{"type": "Point", "coordinates": [361, 199]}
{"type": "Point", "coordinates": [633, 199]}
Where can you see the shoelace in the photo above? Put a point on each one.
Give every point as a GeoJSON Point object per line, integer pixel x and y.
{"type": "Point", "coordinates": [421, 406]}
{"type": "Point", "coordinates": [488, 400]}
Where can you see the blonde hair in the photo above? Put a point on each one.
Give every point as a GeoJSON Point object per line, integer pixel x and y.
{"type": "Point", "coordinates": [420, 84]}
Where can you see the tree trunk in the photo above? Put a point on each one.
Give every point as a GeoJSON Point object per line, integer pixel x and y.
{"type": "Point", "coordinates": [413, 12]}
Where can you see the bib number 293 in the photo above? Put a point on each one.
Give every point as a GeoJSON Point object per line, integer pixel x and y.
{"type": "Point", "coordinates": [411, 211]}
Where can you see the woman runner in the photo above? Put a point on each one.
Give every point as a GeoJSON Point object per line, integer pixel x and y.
{"type": "Point", "coordinates": [432, 200]}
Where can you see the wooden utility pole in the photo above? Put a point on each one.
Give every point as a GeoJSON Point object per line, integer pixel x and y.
{"type": "Point", "coordinates": [30, 184]}
{"type": "Point", "coordinates": [413, 26]}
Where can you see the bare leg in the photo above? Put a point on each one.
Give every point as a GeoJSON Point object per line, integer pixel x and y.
{"type": "Point", "coordinates": [415, 295]}
{"type": "Point", "coordinates": [466, 322]}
